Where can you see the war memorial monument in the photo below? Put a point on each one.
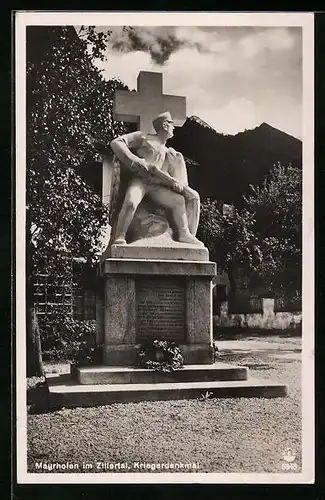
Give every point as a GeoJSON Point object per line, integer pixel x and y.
{"type": "Point", "coordinates": [155, 276]}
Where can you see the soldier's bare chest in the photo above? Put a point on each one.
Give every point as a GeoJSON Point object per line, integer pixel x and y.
{"type": "Point", "coordinates": [152, 151]}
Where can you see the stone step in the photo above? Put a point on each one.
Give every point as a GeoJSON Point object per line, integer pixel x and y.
{"type": "Point", "coordinates": [131, 375]}
{"type": "Point", "coordinates": [65, 392]}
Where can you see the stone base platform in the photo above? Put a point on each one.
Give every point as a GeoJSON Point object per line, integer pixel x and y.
{"type": "Point", "coordinates": [161, 247]}
{"type": "Point", "coordinates": [132, 385]}
{"type": "Point", "coordinates": [177, 252]}
{"type": "Point", "coordinates": [127, 355]}
{"type": "Point", "coordinates": [127, 375]}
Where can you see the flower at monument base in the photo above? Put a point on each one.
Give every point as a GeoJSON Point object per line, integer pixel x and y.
{"type": "Point", "coordinates": [160, 355]}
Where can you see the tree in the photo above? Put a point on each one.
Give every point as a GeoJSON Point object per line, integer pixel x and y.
{"type": "Point", "coordinates": [69, 113]}
{"type": "Point", "coordinates": [263, 239]}
{"type": "Point", "coordinates": [277, 205]}
{"type": "Point", "coordinates": [231, 239]}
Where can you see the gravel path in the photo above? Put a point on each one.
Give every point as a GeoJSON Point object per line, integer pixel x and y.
{"type": "Point", "coordinates": [215, 435]}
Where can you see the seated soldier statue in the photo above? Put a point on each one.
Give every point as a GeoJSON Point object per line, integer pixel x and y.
{"type": "Point", "coordinates": [160, 174]}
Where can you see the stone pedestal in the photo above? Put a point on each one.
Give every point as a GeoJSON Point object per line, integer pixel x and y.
{"type": "Point", "coordinates": [145, 299]}
{"type": "Point", "coordinates": [159, 248]}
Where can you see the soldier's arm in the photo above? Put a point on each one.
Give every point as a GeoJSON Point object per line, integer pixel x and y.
{"type": "Point", "coordinates": [178, 171]}
{"type": "Point", "coordinates": [164, 178]}
{"type": "Point", "coordinates": [122, 146]}
{"type": "Point", "coordinates": [177, 166]}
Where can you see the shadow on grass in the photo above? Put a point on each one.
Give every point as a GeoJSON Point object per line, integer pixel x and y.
{"type": "Point", "coordinates": [257, 366]}
{"type": "Point", "coordinates": [241, 360]}
{"type": "Point", "coordinates": [261, 359]}
{"type": "Point", "coordinates": [238, 333]}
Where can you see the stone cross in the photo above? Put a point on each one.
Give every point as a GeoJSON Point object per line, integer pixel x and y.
{"type": "Point", "coordinates": [143, 106]}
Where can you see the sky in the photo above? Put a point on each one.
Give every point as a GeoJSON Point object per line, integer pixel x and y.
{"type": "Point", "coordinates": [234, 78]}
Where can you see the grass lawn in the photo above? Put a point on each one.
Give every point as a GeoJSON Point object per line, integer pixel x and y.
{"type": "Point", "coordinates": [217, 435]}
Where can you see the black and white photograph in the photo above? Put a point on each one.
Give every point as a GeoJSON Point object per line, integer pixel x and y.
{"type": "Point", "coordinates": [164, 247]}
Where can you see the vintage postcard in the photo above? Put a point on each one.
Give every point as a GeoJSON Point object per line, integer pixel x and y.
{"type": "Point", "coordinates": [164, 258]}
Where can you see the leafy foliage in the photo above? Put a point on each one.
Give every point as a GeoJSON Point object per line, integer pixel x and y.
{"type": "Point", "coordinates": [69, 114]}
{"type": "Point", "coordinates": [160, 355]}
{"type": "Point", "coordinates": [205, 396]}
{"type": "Point", "coordinates": [66, 338]}
{"type": "Point", "coordinates": [69, 122]}
{"type": "Point", "coordinates": [277, 205]}
{"type": "Point", "coordinates": [263, 239]}
{"type": "Point", "coordinates": [230, 237]}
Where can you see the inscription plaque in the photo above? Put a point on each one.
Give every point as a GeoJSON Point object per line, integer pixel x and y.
{"type": "Point", "coordinates": [160, 308]}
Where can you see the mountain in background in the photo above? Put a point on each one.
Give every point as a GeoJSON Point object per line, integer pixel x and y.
{"type": "Point", "coordinates": [198, 120]}
{"type": "Point", "coordinates": [223, 166]}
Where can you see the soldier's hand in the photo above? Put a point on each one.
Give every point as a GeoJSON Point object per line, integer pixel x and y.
{"type": "Point", "coordinates": [153, 169]}
{"type": "Point", "coordinates": [178, 187]}
{"type": "Point", "coordinates": [189, 193]}
{"type": "Point", "coordinates": [140, 165]}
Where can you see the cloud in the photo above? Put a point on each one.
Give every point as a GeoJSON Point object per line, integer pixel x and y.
{"type": "Point", "coordinates": [203, 40]}
{"type": "Point", "coordinates": [235, 116]}
{"type": "Point", "coordinates": [163, 41]}
{"type": "Point", "coordinates": [233, 77]}
{"type": "Point", "coordinates": [126, 66]}
{"type": "Point", "coordinates": [271, 39]}
{"type": "Point", "coordinates": [159, 42]}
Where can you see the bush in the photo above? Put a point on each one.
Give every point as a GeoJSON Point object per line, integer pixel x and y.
{"type": "Point", "coordinates": [64, 338]}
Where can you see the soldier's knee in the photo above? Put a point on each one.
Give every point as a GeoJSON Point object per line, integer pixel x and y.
{"type": "Point", "coordinates": [193, 195]}
{"type": "Point", "coordinates": [196, 195]}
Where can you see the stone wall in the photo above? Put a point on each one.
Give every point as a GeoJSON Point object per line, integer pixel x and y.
{"type": "Point", "coordinates": [268, 319]}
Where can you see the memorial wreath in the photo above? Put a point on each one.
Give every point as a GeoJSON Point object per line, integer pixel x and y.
{"type": "Point", "coordinates": [160, 355]}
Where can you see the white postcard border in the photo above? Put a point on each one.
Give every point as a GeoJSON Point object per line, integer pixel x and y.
{"type": "Point", "coordinates": [306, 21]}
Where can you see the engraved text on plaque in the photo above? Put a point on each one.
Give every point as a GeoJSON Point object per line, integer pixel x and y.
{"type": "Point", "coordinates": [160, 308]}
